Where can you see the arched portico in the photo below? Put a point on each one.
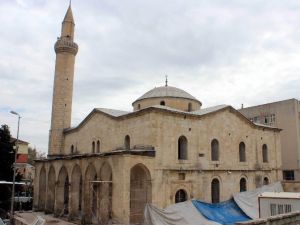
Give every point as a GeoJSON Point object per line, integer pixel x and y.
{"type": "Point", "coordinates": [105, 194]}
{"type": "Point", "coordinates": [42, 189]}
{"type": "Point", "coordinates": [89, 193]}
{"type": "Point", "coordinates": [140, 192]}
{"type": "Point", "coordinates": [62, 193]}
{"type": "Point", "coordinates": [75, 190]}
{"type": "Point", "coordinates": [50, 190]}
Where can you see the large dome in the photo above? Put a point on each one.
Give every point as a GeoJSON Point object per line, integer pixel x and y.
{"type": "Point", "coordinates": [166, 91]}
{"type": "Point", "coordinates": [167, 96]}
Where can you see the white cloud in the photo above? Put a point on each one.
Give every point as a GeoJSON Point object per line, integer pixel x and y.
{"type": "Point", "coordinates": [229, 52]}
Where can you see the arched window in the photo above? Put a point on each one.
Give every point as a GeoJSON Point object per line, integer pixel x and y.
{"type": "Point", "coordinates": [93, 147]}
{"type": "Point", "coordinates": [242, 152]}
{"type": "Point", "coordinates": [127, 142]}
{"type": "Point", "coordinates": [182, 147]}
{"type": "Point", "coordinates": [162, 103]}
{"type": "Point", "coordinates": [215, 150]}
{"type": "Point", "coordinates": [215, 191]}
{"type": "Point", "coordinates": [180, 196]}
{"type": "Point", "coordinates": [266, 181]}
{"type": "Point", "coordinates": [190, 107]}
{"type": "Point", "coordinates": [243, 184]}
{"type": "Point", "coordinates": [98, 146]}
{"type": "Point", "coordinates": [265, 153]}
{"type": "Point", "coordinates": [72, 149]}
{"type": "Point", "coordinates": [139, 106]}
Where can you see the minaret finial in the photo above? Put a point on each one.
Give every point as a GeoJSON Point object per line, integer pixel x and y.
{"type": "Point", "coordinates": [166, 80]}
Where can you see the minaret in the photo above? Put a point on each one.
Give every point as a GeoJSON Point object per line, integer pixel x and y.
{"type": "Point", "coordinates": [66, 51]}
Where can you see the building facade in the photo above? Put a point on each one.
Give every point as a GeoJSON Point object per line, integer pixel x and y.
{"type": "Point", "coordinates": [285, 115]}
{"type": "Point", "coordinates": [167, 150]}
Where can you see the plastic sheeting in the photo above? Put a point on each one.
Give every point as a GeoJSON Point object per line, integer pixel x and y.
{"type": "Point", "coordinates": [226, 213]}
{"type": "Point", "coordinates": [183, 213]}
{"type": "Point", "coordinates": [248, 201]}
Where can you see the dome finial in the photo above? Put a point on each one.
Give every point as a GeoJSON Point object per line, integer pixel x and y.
{"type": "Point", "coordinates": [166, 80]}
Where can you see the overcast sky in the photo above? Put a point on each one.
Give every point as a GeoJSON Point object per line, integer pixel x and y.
{"type": "Point", "coordinates": [221, 52]}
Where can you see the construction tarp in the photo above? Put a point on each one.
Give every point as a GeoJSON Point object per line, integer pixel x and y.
{"type": "Point", "coordinates": [248, 200]}
{"type": "Point", "coordinates": [183, 213]}
{"type": "Point", "coordinates": [227, 213]}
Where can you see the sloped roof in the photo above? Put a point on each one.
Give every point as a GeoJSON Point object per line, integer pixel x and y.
{"type": "Point", "coordinates": [113, 112]}
{"type": "Point", "coordinates": [201, 112]}
{"type": "Point", "coordinates": [167, 91]}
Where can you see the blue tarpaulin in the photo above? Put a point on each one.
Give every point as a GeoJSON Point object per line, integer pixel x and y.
{"type": "Point", "coordinates": [226, 213]}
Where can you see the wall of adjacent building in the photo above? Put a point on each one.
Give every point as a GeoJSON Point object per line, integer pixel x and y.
{"type": "Point", "coordinates": [287, 118]}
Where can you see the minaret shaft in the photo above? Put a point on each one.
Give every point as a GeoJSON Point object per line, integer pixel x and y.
{"type": "Point", "coordinates": [66, 51]}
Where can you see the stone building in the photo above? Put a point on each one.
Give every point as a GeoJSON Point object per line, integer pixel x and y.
{"type": "Point", "coordinates": [286, 115]}
{"type": "Point", "coordinates": [167, 150]}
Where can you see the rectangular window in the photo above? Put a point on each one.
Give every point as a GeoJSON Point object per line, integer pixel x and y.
{"type": "Point", "coordinates": [288, 175]}
{"type": "Point", "coordinates": [287, 208]}
{"type": "Point", "coordinates": [280, 209]}
{"type": "Point", "coordinates": [273, 209]}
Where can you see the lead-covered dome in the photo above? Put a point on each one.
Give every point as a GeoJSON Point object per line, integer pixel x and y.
{"type": "Point", "coordinates": [169, 96]}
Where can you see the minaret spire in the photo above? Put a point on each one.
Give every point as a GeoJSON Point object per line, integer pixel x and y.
{"type": "Point", "coordinates": [68, 24]}
{"type": "Point", "coordinates": [166, 80]}
{"type": "Point", "coordinates": [66, 50]}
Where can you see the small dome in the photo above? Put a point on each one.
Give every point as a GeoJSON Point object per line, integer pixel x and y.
{"type": "Point", "coordinates": [167, 91]}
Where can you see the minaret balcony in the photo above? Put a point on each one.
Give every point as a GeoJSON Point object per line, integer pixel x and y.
{"type": "Point", "coordinates": [65, 45]}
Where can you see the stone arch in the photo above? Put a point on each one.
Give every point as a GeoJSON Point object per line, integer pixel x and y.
{"type": "Point", "coordinates": [181, 196]}
{"type": "Point", "coordinates": [215, 190]}
{"type": "Point", "coordinates": [182, 147]}
{"type": "Point", "coordinates": [89, 192]}
{"type": "Point", "coordinates": [140, 192]}
{"type": "Point", "coordinates": [42, 189]}
{"type": "Point", "coordinates": [75, 190]}
{"type": "Point", "coordinates": [62, 192]}
{"type": "Point", "coordinates": [51, 190]}
{"type": "Point", "coordinates": [105, 193]}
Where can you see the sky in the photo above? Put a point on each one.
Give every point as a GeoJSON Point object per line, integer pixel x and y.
{"type": "Point", "coordinates": [222, 52]}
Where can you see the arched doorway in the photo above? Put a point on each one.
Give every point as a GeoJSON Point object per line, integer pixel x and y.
{"type": "Point", "coordinates": [105, 198]}
{"type": "Point", "coordinates": [89, 193]}
{"type": "Point", "coordinates": [75, 192]}
{"type": "Point", "coordinates": [266, 181]}
{"type": "Point", "coordinates": [42, 189]}
{"type": "Point", "coordinates": [51, 190]}
{"type": "Point", "coordinates": [180, 196]}
{"type": "Point", "coordinates": [243, 184]}
{"type": "Point", "coordinates": [62, 193]}
{"type": "Point", "coordinates": [215, 191]}
{"type": "Point", "coordinates": [140, 192]}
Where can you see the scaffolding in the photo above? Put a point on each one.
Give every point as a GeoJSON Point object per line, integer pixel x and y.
{"type": "Point", "coordinates": [101, 202]}
{"type": "Point", "coordinates": [140, 195]}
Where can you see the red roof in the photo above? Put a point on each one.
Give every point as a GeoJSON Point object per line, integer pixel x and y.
{"type": "Point", "coordinates": [22, 158]}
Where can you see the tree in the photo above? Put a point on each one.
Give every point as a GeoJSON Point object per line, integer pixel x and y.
{"type": "Point", "coordinates": [7, 154]}
{"type": "Point", "coordinates": [32, 154]}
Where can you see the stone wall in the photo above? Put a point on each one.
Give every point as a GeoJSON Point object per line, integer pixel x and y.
{"type": "Point", "coordinates": [283, 219]}
{"type": "Point", "coordinates": [291, 186]}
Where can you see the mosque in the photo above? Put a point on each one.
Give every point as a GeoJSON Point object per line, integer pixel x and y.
{"type": "Point", "coordinates": [167, 150]}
